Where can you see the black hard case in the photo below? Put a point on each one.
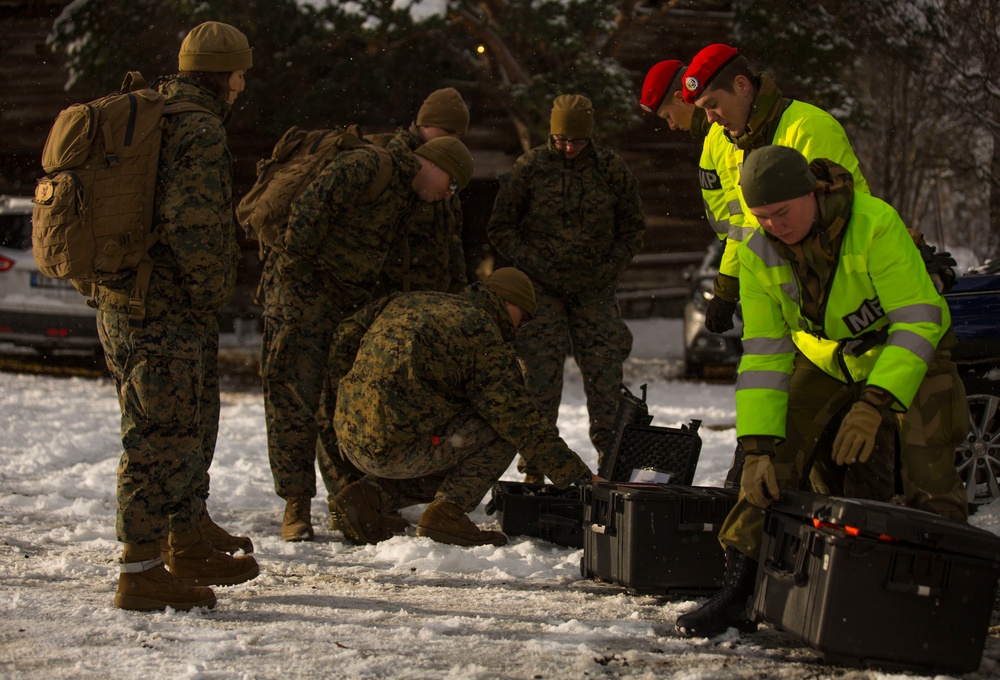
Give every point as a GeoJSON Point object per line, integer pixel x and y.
{"type": "Point", "coordinates": [876, 584]}
{"type": "Point", "coordinates": [655, 538]}
{"type": "Point", "coordinates": [543, 511]}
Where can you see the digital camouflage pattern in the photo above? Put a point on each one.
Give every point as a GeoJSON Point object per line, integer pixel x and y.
{"type": "Point", "coordinates": [332, 255]}
{"type": "Point", "coordinates": [166, 373]}
{"type": "Point", "coordinates": [572, 226]}
{"type": "Point", "coordinates": [432, 392]}
{"type": "Point", "coordinates": [552, 334]}
{"type": "Point", "coordinates": [433, 245]}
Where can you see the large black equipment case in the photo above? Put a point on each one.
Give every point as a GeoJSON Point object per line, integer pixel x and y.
{"type": "Point", "coordinates": [543, 511]}
{"type": "Point", "coordinates": [655, 538]}
{"type": "Point", "coordinates": [876, 584]}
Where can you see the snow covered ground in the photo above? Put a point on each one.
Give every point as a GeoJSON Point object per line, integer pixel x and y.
{"type": "Point", "coordinates": [406, 608]}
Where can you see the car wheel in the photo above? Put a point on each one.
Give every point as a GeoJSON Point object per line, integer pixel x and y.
{"type": "Point", "coordinates": [978, 458]}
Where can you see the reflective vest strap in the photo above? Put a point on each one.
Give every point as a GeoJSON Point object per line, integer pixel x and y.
{"type": "Point", "coordinates": [922, 313]}
{"type": "Point", "coordinates": [914, 342]}
{"type": "Point", "coordinates": [768, 345]}
{"type": "Point", "coordinates": [763, 380]}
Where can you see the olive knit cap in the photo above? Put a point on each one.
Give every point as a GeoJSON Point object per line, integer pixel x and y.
{"type": "Point", "coordinates": [445, 109]}
{"type": "Point", "coordinates": [572, 116]}
{"type": "Point", "coordinates": [774, 174]}
{"type": "Point", "coordinates": [450, 155]}
{"type": "Point", "coordinates": [214, 47]}
{"type": "Point", "coordinates": [513, 286]}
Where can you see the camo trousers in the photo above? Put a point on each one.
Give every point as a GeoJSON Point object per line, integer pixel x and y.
{"type": "Point", "coordinates": [591, 328]}
{"type": "Point", "coordinates": [937, 420]}
{"type": "Point", "coordinates": [166, 378]}
{"type": "Point", "coordinates": [459, 465]}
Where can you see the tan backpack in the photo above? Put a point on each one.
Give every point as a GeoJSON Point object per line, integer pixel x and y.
{"type": "Point", "coordinates": [296, 160]}
{"type": "Point", "coordinates": [93, 216]}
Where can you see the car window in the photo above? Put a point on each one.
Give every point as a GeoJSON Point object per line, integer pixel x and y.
{"type": "Point", "coordinates": [15, 232]}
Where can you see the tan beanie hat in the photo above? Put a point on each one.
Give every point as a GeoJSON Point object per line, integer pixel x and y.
{"type": "Point", "coordinates": [572, 116]}
{"type": "Point", "coordinates": [445, 109]}
{"type": "Point", "coordinates": [450, 155]}
{"type": "Point", "coordinates": [214, 47]}
{"type": "Point", "coordinates": [513, 286]}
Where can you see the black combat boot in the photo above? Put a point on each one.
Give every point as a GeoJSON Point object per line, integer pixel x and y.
{"type": "Point", "coordinates": [728, 607]}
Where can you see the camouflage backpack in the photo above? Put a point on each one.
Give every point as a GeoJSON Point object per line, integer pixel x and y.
{"type": "Point", "coordinates": [296, 160]}
{"type": "Point", "coordinates": [93, 215]}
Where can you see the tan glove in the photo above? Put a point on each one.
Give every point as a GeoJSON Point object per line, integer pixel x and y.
{"type": "Point", "coordinates": [759, 484]}
{"type": "Point", "coordinates": [856, 437]}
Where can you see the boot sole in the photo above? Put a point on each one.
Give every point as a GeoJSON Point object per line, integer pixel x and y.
{"type": "Point", "coordinates": [220, 581]}
{"type": "Point", "coordinates": [145, 604]}
{"type": "Point", "coordinates": [442, 537]}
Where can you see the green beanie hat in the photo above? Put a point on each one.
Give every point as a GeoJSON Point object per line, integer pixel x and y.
{"type": "Point", "coordinates": [572, 116]}
{"type": "Point", "coordinates": [450, 155]}
{"type": "Point", "coordinates": [445, 109]}
{"type": "Point", "coordinates": [215, 47]}
{"type": "Point", "coordinates": [513, 286]}
{"type": "Point", "coordinates": [774, 174]}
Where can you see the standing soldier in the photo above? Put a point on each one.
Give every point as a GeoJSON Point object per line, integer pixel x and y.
{"type": "Point", "coordinates": [663, 95]}
{"type": "Point", "coordinates": [753, 114]}
{"type": "Point", "coordinates": [166, 373]}
{"type": "Point", "coordinates": [325, 266]}
{"type": "Point", "coordinates": [431, 256]}
{"type": "Point", "coordinates": [568, 215]}
{"type": "Point", "coordinates": [432, 407]}
{"type": "Point", "coordinates": [843, 328]}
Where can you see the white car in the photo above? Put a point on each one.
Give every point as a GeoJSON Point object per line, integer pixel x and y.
{"type": "Point", "coordinates": [44, 314]}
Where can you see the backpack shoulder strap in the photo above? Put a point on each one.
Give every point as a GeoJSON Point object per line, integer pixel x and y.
{"type": "Point", "coordinates": [382, 176]}
{"type": "Point", "coordinates": [172, 108]}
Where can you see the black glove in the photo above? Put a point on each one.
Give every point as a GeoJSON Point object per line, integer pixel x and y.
{"type": "Point", "coordinates": [940, 266]}
{"type": "Point", "coordinates": [719, 315]}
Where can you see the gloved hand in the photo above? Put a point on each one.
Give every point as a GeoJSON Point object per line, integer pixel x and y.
{"type": "Point", "coordinates": [719, 315]}
{"type": "Point", "coordinates": [856, 437]}
{"type": "Point", "coordinates": [759, 484]}
{"type": "Point", "coordinates": [940, 266]}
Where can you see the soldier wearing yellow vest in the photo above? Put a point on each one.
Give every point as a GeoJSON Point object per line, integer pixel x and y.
{"type": "Point", "coordinates": [753, 114]}
{"type": "Point", "coordinates": [663, 96]}
{"type": "Point", "coordinates": [839, 315]}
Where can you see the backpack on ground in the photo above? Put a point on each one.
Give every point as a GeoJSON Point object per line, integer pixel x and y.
{"type": "Point", "coordinates": [93, 213]}
{"type": "Point", "coordinates": [296, 160]}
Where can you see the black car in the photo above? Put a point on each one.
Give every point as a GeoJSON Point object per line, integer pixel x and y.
{"type": "Point", "coordinates": [974, 302]}
{"type": "Point", "coordinates": [703, 349]}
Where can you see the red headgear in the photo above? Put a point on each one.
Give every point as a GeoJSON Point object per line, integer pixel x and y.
{"type": "Point", "coordinates": [659, 84]}
{"type": "Point", "coordinates": [705, 66]}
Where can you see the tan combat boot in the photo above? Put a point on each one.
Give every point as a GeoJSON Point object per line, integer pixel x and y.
{"type": "Point", "coordinates": [445, 522]}
{"type": "Point", "coordinates": [195, 562]}
{"type": "Point", "coordinates": [392, 521]}
{"type": "Point", "coordinates": [296, 523]}
{"type": "Point", "coordinates": [144, 585]}
{"type": "Point", "coordinates": [222, 539]}
{"type": "Point", "coordinates": [356, 511]}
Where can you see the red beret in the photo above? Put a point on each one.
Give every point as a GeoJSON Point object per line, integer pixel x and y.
{"type": "Point", "coordinates": [657, 84]}
{"type": "Point", "coordinates": [705, 66]}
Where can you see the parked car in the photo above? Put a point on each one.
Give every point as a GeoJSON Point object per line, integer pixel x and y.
{"type": "Point", "coordinates": [974, 302]}
{"type": "Point", "coordinates": [703, 349]}
{"type": "Point", "coordinates": [35, 311]}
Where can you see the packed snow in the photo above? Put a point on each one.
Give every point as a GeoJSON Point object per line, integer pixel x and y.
{"type": "Point", "coordinates": [405, 608]}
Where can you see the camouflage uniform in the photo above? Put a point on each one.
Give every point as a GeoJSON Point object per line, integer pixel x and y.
{"type": "Point", "coordinates": [326, 265]}
{"type": "Point", "coordinates": [572, 226]}
{"type": "Point", "coordinates": [433, 243]}
{"type": "Point", "coordinates": [433, 405]}
{"type": "Point", "coordinates": [166, 372]}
